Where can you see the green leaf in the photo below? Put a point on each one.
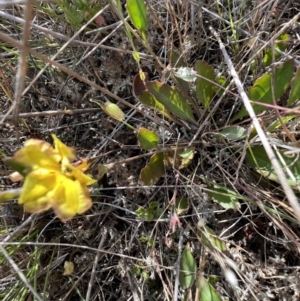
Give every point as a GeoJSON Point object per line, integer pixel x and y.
{"type": "Point", "coordinates": [211, 240]}
{"type": "Point", "coordinates": [187, 156]}
{"type": "Point", "coordinates": [138, 15]}
{"type": "Point", "coordinates": [223, 82]}
{"type": "Point", "coordinates": [188, 269]}
{"type": "Point", "coordinates": [148, 240]}
{"type": "Point", "coordinates": [187, 74]}
{"type": "Point", "coordinates": [205, 89]}
{"type": "Point", "coordinates": [182, 205]}
{"type": "Point", "coordinates": [152, 172]}
{"type": "Point", "coordinates": [172, 99]}
{"type": "Point", "coordinates": [295, 91]}
{"type": "Point", "coordinates": [233, 133]}
{"type": "Point", "coordinates": [257, 158]}
{"type": "Point", "coordinates": [19, 167]}
{"type": "Point", "coordinates": [102, 170]}
{"type": "Point", "coordinates": [261, 91]}
{"type": "Point", "coordinates": [149, 214]}
{"type": "Point", "coordinates": [150, 101]}
{"type": "Point", "coordinates": [176, 61]}
{"type": "Point", "coordinates": [2, 154]}
{"type": "Point", "coordinates": [207, 292]}
{"type": "Point", "coordinates": [179, 157]}
{"type": "Point", "coordinates": [139, 85]}
{"type": "Point", "coordinates": [187, 153]}
{"type": "Point", "coordinates": [213, 279]}
{"type": "Point", "coordinates": [147, 139]}
{"type": "Point", "coordinates": [281, 43]}
{"type": "Point", "coordinates": [140, 92]}
{"type": "Point", "coordinates": [277, 123]}
{"type": "Point", "coordinates": [227, 198]}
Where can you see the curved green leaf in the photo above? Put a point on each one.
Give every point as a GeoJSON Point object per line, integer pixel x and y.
{"type": "Point", "coordinates": [138, 15]}
{"type": "Point", "coordinates": [233, 132]}
{"type": "Point", "coordinates": [211, 240]}
{"type": "Point", "coordinates": [257, 158]}
{"type": "Point", "coordinates": [295, 91]}
{"type": "Point", "coordinates": [188, 269]}
{"type": "Point", "coordinates": [278, 123]}
{"type": "Point", "coordinates": [207, 292]}
{"type": "Point", "coordinates": [150, 213]}
{"type": "Point", "coordinates": [172, 99]}
{"type": "Point", "coordinates": [205, 89]}
{"type": "Point", "coordinates": [147, 139]}
{"type": "Point", "coordinates": [262, 92]}
{"type": "Point", "coordinates": [140, 92]}
{"type": "Point", "coordinates": [19, 167]}
{"type": "Point", "coordinates": [102, 170]}
{"type": "Point", "coordinates": [187, 74]}
{"type": "Point", "coordinates": [281, 44]}
{"type": "Point", "coordinates": [179, 157]}
{"type": "Point", "coordinates": [223, 82]}
{"type": "Point", "coordinates": [182, 205]}
{"type": "Point", "coordinates": [227, 198]}
{"type": "Point", "coordinates": [152, 172]}
{"type": "Point", "coordinates": [176, 61]}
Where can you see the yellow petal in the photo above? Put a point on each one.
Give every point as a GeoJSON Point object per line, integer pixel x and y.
{"type": "Point", "coordinates": [37, 189]}
{"type": "Point", "coordinates": [38, 156]}
{"type": "Point", "coordinates": [84, 200]}
{"type": "Point", "coordinates": [44, 147]}
{"type": "Point", "coordinates": [70, 198]}
{"type": "Point", "coordinates": [37, 206]}
{"type": "Point", "coordinates": [77, 174]}
{"type": "Point", "coordinates": [67, 153]}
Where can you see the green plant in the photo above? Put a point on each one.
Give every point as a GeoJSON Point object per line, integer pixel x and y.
{"type": "Point", "coordinates": [153, 211]}
{"type": "Point", "coordinates": [176, 104]}
{"type": "Point", "coordinates": [78, 11]}
{"type": "Point", "coordinates": [194, 143]}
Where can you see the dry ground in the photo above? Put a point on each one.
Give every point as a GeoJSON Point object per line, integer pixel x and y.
{"type": "Point", "coordinates": [117, 254]}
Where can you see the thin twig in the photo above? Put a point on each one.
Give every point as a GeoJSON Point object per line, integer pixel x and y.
{"type": "Point", "coordinates": [22, 69]}
{"type": "Point", "coordinates": [101, 243]}
{"type": "Point", "coordinates": [176, 285]}
{"type": "Point", "coordinates": [136, 294]}
{"type": "Point", "coordinates": [53, 113]}
{"type": "Point", "coordinates": [4, 3]}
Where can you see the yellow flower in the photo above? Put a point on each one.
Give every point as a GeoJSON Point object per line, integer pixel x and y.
{"type": "Point", "coordinates": [52, 181]}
